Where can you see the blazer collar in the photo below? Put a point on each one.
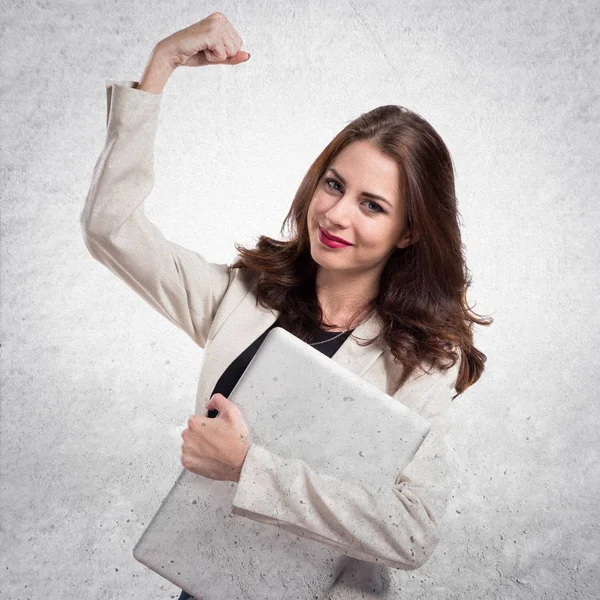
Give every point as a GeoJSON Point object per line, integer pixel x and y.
{"type": "Point", "coordinates": [249, 320]}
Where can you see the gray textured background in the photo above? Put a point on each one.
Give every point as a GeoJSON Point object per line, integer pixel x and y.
{"type": "Point", "coordinates": [97, 387]}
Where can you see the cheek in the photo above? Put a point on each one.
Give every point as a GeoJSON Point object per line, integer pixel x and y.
{"type": "Point", "coordinates": [319, 205]}
{"type": "Point", "coordinates": [313, 210]}
{"type": "Point", "coordinates": [310, 215]}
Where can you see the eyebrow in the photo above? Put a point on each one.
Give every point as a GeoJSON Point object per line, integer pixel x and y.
{"type": "Point", "coordinates": [366, 194]}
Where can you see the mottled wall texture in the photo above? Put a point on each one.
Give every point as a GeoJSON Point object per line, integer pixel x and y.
{"type": "Point", "coordinates": [97, 386]}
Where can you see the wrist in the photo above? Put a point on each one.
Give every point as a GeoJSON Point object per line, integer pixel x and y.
{"type": "Point", "coordinates": [164, 56]}
{"type": "Point", "coordinates": [157, 72]}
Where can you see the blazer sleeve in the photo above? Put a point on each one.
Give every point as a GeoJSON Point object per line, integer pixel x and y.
{"type": "Point", "coordinates": [180, 284]}
{"type": "Point", "coordinates": [398, 526]}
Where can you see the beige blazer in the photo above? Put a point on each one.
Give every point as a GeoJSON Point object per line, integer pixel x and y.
{"type": "Point", "coordinates": [395, 527]}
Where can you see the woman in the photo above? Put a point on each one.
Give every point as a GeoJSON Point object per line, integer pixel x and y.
{"type": "Point", "coordinates": [375, 255]}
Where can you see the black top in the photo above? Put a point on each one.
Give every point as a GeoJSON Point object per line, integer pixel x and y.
{"type": "Point", "coordinates": [235, 370]}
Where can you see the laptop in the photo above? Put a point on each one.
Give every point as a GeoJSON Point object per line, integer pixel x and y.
{"type": "Point", "coordinates": [297, 403]}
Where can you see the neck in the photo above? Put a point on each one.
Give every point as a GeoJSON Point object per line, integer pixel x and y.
{"type": "Point", "coordinates": [341, 298]}
{"type": "Point", "coordinates": [339, 320]}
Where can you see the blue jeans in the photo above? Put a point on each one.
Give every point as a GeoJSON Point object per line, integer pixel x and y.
{"type": "Point", "coordinates": [185, 596]}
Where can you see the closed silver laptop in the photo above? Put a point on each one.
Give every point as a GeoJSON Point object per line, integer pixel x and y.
{"type": "Point", "coordinates": [299, 404]}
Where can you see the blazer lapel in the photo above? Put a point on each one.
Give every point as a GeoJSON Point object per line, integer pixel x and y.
{"type": "Point", "coordinates": [248, 321]}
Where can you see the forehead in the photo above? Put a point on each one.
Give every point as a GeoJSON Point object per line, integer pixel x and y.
{"type": "Point", "coordinates": [364, 158]}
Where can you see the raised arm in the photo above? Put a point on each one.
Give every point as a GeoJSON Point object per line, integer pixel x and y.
{"type": "Point", "coordinates": [179, 283]}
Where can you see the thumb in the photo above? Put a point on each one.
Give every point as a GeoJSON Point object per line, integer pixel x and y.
{"type": "Point", "coordinates": [240, 57]}
{"type": "Point", "coordinates": [220, 403]}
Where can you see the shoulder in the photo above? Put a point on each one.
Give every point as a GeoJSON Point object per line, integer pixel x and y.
{"type": "Point", "coordinates": [430, 388]}
{"type": "Point", "coordinates": [241, 281]}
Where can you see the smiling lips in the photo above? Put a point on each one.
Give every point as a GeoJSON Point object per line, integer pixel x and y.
{"type": "Point", "coordinates": [331, 240]}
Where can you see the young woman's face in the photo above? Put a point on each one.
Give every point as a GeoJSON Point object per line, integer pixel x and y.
{"type": "Point", "coordinates": [374, 227]}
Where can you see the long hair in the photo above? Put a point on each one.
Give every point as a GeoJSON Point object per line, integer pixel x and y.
{"type": "Point", "coordinates": [421, 302]}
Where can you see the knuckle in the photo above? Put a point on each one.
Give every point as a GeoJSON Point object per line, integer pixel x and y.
{"type": "Point", "coordinates": [186, 461]}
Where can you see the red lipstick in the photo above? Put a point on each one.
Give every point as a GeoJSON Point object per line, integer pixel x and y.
{"type": "Point", "coordinates": [332, 241]}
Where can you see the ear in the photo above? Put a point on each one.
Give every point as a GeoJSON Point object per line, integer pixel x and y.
{"type": "Point", "coordinates": [406, 240]}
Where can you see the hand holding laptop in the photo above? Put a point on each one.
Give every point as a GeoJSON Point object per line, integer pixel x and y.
{"type": "Point", "coordinates": [216, 448]}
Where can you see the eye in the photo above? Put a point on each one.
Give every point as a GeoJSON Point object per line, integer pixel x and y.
{"type": "Point", "coordinates": [328, 181]}
{"type": "Point", "coordinates": [379, 209]}
{"type": "Point", "coordinates": [335, 181]}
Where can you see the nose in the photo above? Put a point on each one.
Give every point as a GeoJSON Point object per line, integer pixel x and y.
{"type": "Point", "coordinates": [338, 216]}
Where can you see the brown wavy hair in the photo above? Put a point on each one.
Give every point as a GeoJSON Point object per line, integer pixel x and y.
{"type": "Point", "coordinates": [421, 301]}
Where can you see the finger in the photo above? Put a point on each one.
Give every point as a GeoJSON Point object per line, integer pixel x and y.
{"type": "Point", "coordinates": [215, 401]}
{"type": "Point", "coordinates": [185, 461]}
{"type": "Point", "coordinates": [216, 54]}
{"type": "Point", "coordinates": [230, 48]}
{"type": "Point", "coordinates": [240, 57]}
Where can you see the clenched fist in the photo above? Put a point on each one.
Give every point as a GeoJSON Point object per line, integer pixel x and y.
{"type": "Point", "coordinates": [216, 448]}
{"type": "Point", "coordinates": [213, 40]}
